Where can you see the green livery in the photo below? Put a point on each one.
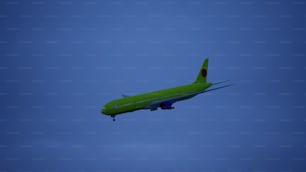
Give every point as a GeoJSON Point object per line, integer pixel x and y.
{"type": "Point", "coordinates": [163, 99]}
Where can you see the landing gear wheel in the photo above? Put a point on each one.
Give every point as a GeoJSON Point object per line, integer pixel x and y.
{"type": "Point", "coordinates": [113, 116]}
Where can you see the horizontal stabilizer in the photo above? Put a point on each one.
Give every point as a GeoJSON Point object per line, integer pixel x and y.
{"type": "Point", "coordinates": [221, 82]}
{"type": "Point", "coordinates": [212, 89]}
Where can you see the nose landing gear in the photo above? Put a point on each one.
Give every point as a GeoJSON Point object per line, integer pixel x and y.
{"type": "Point", "coordinates": [113, 116]}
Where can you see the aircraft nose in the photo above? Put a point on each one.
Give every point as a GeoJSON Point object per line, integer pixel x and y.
{"type": "Point", "coordinates": [105, 110]}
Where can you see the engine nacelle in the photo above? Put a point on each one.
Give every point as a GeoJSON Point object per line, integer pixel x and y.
{"type": "Point", "coordinates": [166, 105]}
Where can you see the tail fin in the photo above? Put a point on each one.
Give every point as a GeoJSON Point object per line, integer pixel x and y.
{"type": "Point", "coordinates": [203, 73]}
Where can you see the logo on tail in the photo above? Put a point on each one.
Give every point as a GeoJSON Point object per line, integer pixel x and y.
{"type": "Point", "coordinates": [204, 72]}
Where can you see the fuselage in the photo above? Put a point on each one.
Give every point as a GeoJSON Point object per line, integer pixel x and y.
{"type": "Point", "coordinates": [152, 99]}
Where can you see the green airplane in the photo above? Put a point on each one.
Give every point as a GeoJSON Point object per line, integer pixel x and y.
{"type": "Point", "coordinates": [163, 99]}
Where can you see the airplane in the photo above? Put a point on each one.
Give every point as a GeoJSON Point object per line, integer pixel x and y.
{"type": "Point", "coordinates": [163, 99]}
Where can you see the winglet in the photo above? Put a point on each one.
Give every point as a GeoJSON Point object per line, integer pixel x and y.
{"type": "Point", "coordinates": [202, 73]}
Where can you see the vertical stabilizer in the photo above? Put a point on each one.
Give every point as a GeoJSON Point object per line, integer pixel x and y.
{"type": "Point", "coordinates": [202, 73]}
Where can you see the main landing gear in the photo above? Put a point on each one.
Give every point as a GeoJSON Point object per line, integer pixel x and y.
{"type": "Point", "coordinates": [113, 116]}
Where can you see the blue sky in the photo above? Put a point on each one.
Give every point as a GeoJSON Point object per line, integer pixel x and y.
{"type": "Point", "coordinates": [62, 60]}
